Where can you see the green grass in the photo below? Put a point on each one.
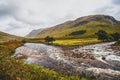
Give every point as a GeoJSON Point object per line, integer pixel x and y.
{"type": "Point", "coordinates": [63, 38]}
{"type": "Point", "coordinates": [66, 42]}
{"type": "Point", "coordinates": [4, 37]}
{"type": "Point", "coordinates": [76, 42]}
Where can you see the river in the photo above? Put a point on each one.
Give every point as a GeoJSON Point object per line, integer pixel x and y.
{"type": "Point", "coordinates": [98, 58]}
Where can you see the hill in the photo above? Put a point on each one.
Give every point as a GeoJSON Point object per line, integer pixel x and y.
{"type": "Point", "coordinates": [33, 33]}
{"type": "Point", "coordinates": [4, 37]}
{"type": "Point", "coordinates": [84, 27]}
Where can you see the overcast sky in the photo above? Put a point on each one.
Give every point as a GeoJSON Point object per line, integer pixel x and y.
{"type": "Point", "coordinates": [19, 17]}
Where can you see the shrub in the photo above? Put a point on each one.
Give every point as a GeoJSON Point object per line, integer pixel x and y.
{"type": "Point", "coordinates": [109, 38]}
{"type": "Point", "coordinates": [78, 32]}
{"type": "Point", "coordinates": [102, 35]}
{"type": "Point", "coordinates": [49, 39]}
{"type": "Point", "coordinates": [23, 41]}
{"type": "Point", "coordinates": [117, 43]}
{"type": "Point", "coordinates": [116, 36]}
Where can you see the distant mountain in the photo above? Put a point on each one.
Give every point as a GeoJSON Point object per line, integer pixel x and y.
{"type": "Point", "coordinates": [33, 33]}
{"type": "Point", "coordinates": [82, 27]}
{"type": "Point", "coordinates": [6, 37]}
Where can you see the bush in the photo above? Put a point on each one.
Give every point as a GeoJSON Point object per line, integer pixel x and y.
{"type": "Point", "coordinates": [109, 38]}
{"type": "Point", "coordinates": [78, 32]}
{"type": "Point", "coordinates": [23, 41]}
{"type": "Point", "coordinates": [49, 39]}
{"type": "Point", "coordinates": [117, 43]}
{"type": "Point", "coordinates": [104, 36]}
{"type": "Point", "coordinates": [116, 36]}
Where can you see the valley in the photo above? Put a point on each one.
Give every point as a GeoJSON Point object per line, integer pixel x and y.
{"type": "Point", "coordinates": [59, 39]}
{"type": "Point", "coordinates": [73, 50]}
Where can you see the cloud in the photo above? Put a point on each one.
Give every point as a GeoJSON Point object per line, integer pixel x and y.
{"type": "Point", "coordinates": [113, 9]}
{"type": "Point", "coordinates": [6, 9]}
{"type": "Point", "coordinates": [116, 2]}
{"type": "Point", "coordinates": [20, 17]}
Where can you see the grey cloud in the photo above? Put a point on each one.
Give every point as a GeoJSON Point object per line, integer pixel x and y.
{"type": "Point", "coordinates": [10, 28]}
{"type": "Point", "coordinates": [103, 9]}
{"type": "Point", "coordinates": [116, 2]}
{"type": "Point", "coordinates": [7, 10]}
{"type": "Point", "coordinates": [117, 15]}
{"type": "Point", "coordinates": [111, 10]}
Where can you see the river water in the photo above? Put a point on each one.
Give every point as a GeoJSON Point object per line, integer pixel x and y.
{"type": "Point", "coordinates": [98, 58]}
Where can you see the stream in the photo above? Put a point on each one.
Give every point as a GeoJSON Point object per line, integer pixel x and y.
{"type": "Point", "coordinates": [97, 58]}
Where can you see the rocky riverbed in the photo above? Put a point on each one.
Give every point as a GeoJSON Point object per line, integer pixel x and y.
{"type": "Point", "coordinates": [98, 59]}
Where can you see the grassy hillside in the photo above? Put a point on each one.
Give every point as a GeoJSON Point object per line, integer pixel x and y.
{"type": "Point", "coordinates": [89, 24]}
{"type": "Point", "coordinates": [4, 37]}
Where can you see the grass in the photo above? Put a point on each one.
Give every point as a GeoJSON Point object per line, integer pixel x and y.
{"type": "Point", "coordinates": [4, 37]}
{"type": "Point", "coordinates": [63, 37]}
{"type": "Point", "coordinates": [91, 28]}
{"type": "Point", "coordinates": [66, 42]}
{"type": "Point", "coordinates": [76, 42]}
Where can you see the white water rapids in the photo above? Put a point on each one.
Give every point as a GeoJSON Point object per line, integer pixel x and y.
{"type": "Point", "coordinates": [106, 60]}
{"type": "Point", "coordinates": [101, 51]}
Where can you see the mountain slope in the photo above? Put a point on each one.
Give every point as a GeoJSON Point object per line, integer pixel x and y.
{"type": "Point", "coordinates": [33, 33]}
{"type": "Point", "coordinates": [90, 24]}
{"type": "Point", "coordinates": [6, 37]}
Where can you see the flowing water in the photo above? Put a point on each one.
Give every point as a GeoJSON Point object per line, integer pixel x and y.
{"type": "Point", "coordinates": [99, 58]}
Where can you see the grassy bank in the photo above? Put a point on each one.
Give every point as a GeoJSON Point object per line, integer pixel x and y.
{"type": "Point", "coordinates": [15, 69]}
{"type": "Point", "coordinates": [75, 42]}
{"type": "Point", "coordinates": [67, 42]}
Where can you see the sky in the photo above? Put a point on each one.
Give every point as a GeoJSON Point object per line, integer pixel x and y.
{"type": "Point", "coordinates": [19, 17]}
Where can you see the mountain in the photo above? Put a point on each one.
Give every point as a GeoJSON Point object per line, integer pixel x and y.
{"type": "Point", "coordinates": [82, 27]}
{"type": "Point", "coordinates": [33, 33]}
{"type": "Point", "coordinates": [6, 37]}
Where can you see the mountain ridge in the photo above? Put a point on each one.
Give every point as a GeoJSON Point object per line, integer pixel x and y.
{"type": "Point", "coordinates": [33, 33]}
{"type": "Point", "coordinates": [83, 23]}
